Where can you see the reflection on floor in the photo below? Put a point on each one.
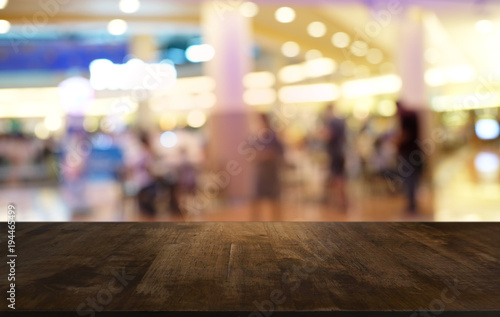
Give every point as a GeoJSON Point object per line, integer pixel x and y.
{"type": "Point", "coordinates": [458, 194]}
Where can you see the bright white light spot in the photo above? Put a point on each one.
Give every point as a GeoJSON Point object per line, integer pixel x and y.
{"type": "Point", "coordinates": [487, 129]}
{"type": "Point", "coordinates": [308, 93]}
{"type": "Point", "coordinates": [259, 96]}
{"type": "Point", "coordinates": [435, 77]}
{"type": "Point", "coordinates": [196, 119]}
{"type": "Point", "coordinates": [372, 86]}
{"type": "Point", "coordinates": [487, 162]}
{"type": "Point", "coordinates": [117, 27]}
{"type": "Point", "coordinates": [4, 26]}
{"type": "Point", "coordinates": [129, 6]}
{"type": "Point", "coordinates": [76, 95]}
{"type": "Point", "coordinates": [259, 80]}
{"type": "Point", "coordinates": [100, 69]}
{"type": "Point", "coordinates": [387, 108]}
{"type": "Point", "coordinates": [292, 73]}
{"type": "Point", "coordinates": [374, 56]}
{"type": "Point", "coordinates": [135, 74]}
{"type": "Point", "coordinates": [313, 54]}
{"type": "Point", "coordinates": [41, 131]}
{"type": "Point", "coordinates": [200, 53]}
{"type": "Point", "coordinates": [320, 67]}
{"type": "Point", "coordinates": [341, 39]}
{"type": "Point", "coordinates": [359, 48]}
{"type": "Point", "coordinates": [484, 26]}
{"type": "Point", "coordinates": [249, 9]}
{"type": "Point", "coordinates": [316, 29]}
{"type": "Point", "coordinates": [3, 4]}
{"type": "Point", "coordinates": [285, 15]}
{"type": "Point", "coordinates": [290, 49]}
{"type": "Point", "coordinates": [53, 122]}
{"type": "Point", "coordinates": [168, 139]}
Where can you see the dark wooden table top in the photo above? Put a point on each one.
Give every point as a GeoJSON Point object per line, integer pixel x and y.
{"type": "Point", "coordinates": [257, 269]}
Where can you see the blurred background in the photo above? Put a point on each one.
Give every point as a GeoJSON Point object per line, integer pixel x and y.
{"type": "Point", "coordinates": [368, 110]}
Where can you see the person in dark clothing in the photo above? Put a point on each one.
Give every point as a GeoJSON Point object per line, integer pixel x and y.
{"type": "Point", "coordinates": [410, 154]}
{"type": "Point", "coordinates": [335, 146]}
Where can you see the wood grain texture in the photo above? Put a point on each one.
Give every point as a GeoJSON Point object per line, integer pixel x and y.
{"type": "Point", "coordinates": [257, 266]}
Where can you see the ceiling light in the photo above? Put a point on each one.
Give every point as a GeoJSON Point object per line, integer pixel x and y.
{"type": "Point", "coordinates": [316, 29]}
{"type": "Point", "coordinates": [341, 39]}
{"type": "Point", "coordinates": [129, 6]}
{"type": "Point", "coordinates": [285, 15]}
{"type": "Point", "coordinates": [4, 26]}
{"type": "Point", "coordinates": [249, 9]}
{"type": "Point", "coordinates": [290, 49]}
{"type": "Point", "coordinates": [117, 27]}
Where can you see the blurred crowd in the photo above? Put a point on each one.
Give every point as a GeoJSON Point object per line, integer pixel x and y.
{"type": "Point", "coordinates": [159, 178]}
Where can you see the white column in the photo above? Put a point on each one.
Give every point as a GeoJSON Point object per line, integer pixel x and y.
{"type": "Point", "coordinates": [144, 47]}
{"type": "Point", "coordinates": [410, 58]}
{"type": "Point", "coordinates": [229, 33]}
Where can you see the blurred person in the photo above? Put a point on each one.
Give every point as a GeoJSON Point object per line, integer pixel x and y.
{"type": "Point", "coordinates": [268, 164]}
{"type": "Point", "coordinates": [187, 176]}
{"type": "Point", "coordinates": [407, 144]}
{"type": "Point", "coordinates": [153, 181]}
{"type": "Point", "coordinates": [336, 148]}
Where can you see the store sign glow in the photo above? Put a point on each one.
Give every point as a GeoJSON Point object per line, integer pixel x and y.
{"type": "Point", "coordinates": [135, 74]}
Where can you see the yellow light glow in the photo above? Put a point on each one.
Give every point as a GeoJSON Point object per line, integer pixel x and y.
{"type": "Point", "coordinates": [168, 122]}
{"type": "Point", "coordinates": [320, 67]}
{"type": "Point", "coordinates": [292, 73]}
{"type": "Point", "coordinates": [341, 40]}
{"type": "Point", "coordinates": [313, 54]}
{"type": "Point", "coordinates": [362, 108]}
{"type": "Point", "coordinates": [387, 108]}
{"type": "Point", "coordinates": [362, 71]}
{"type": "Point", "coordinates": [3, 4]}
{"type": "Point", "coordinates": [359, 48]}
{"type": "Point", "coordinates": [290, 49]}
{"type": "Point", "coordinates": [41, 131]}
{"type": "Point", "coordinates": [196, 119]}
{"type": "Point", "coordinates": [188, 85]}
{"type": "Point", "coordinates": [248, 9]}
{"type": "Point", "coordinates": [91, 124]}
{"type": "Point", "coordinates": [374, 56]}
{"type": "Point", "coordinates": [432, 55]}
{"type": "Point", "coordinates": [316, 29]}
{"type": "Point", "coordinates": [372, 86]}
{"type": "Point", "coordinates": [484, 26]}
{"type": "Point", "coordinates": [263, 96]}
{"type": "Point", "coordinates": [387, 68]}
{"type": "Point", "coordinates": [259, 80]}
{"type": "Point", "coordinates": [53, 122]}
{"type": "Point", "coordinates": [284, 15]}
{"type": "Point", "coordinates": [347, 68]}
{"type": "Point", "coordinates": [308, 93]}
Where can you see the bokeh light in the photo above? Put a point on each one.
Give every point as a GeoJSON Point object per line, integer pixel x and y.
{"type": "Point", "coordinates": [285, 15]}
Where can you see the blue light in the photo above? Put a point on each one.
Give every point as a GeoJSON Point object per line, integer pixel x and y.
{"type": "Point", "coordinates": [487, 129]}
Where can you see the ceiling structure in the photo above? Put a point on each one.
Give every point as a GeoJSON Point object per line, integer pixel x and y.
{"type": "Point", "coordinates": [456, 18]}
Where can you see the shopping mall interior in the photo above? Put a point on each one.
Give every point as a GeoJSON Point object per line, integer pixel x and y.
{"type": "Point", "coordinates": [231, 110]}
